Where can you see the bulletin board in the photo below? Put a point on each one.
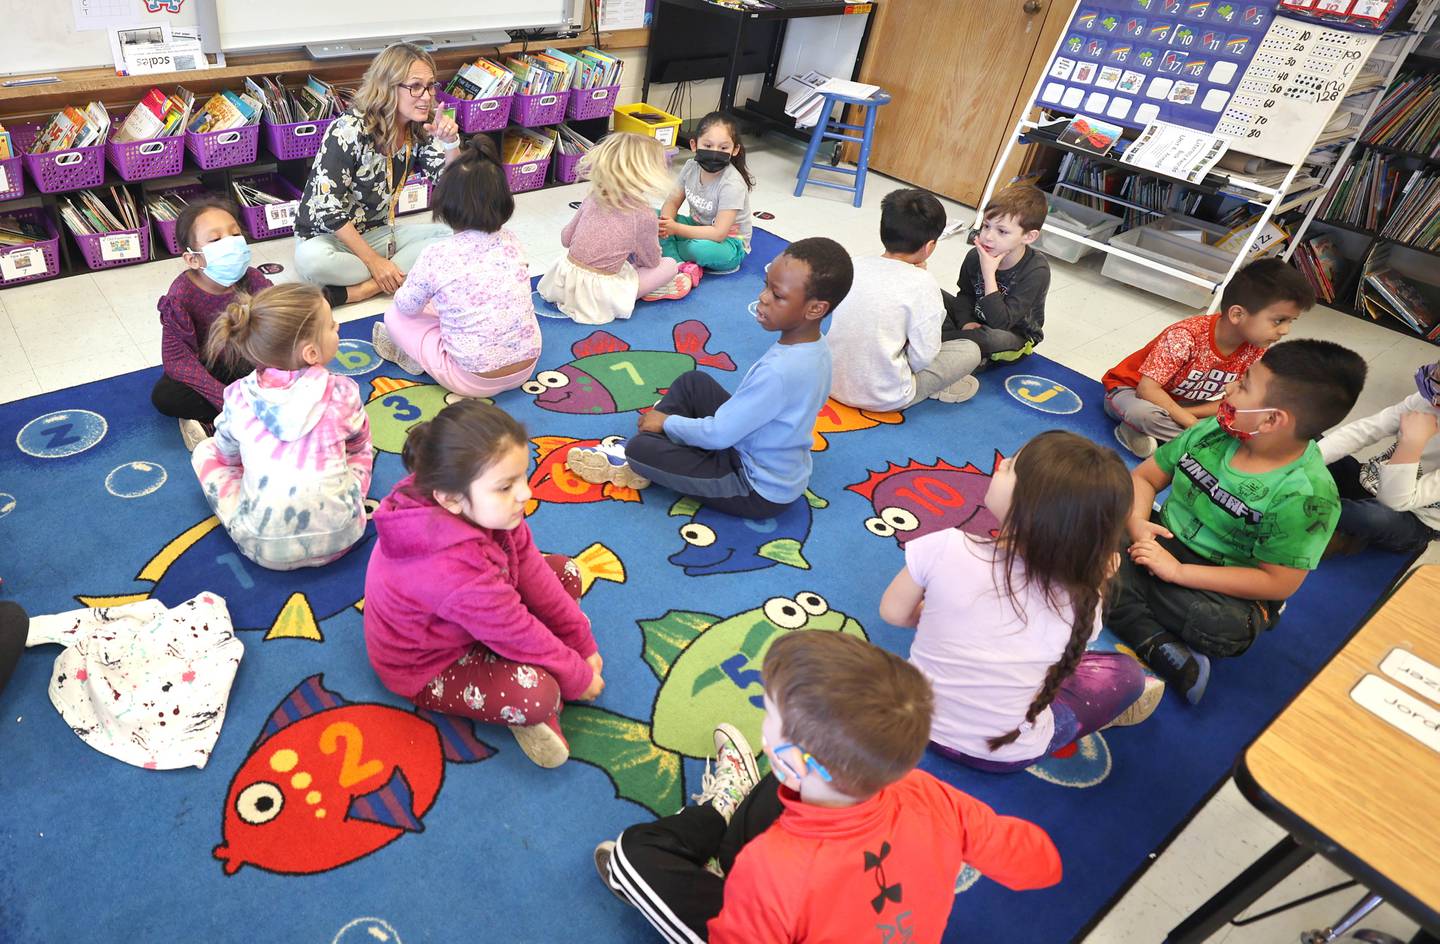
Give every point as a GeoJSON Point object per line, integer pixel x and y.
{"type": "Point", "coordinates": [1267, 84]}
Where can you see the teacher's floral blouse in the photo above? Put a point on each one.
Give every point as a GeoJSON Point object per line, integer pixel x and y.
{"type": "Point", "coordinates": [347, 181]}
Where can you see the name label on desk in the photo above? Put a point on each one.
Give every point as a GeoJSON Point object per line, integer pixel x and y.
{"type": "Point", "coordinates": [1399, 708]}
{"type": "Point", "coordinates": [1413, 672]}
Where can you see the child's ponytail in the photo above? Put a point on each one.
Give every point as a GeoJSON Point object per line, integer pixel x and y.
{"type": "Point", "coordinates": [228, 332]}
{"type": "Point", "coordinates": [1066, 524]}
{"type": "Point", "coordinates": [450, 451]}
{"type": "Point", "coordinates": [269, 328]}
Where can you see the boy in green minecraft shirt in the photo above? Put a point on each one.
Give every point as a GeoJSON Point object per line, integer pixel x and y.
{"type": "Point", "coordinates": [1250, 511]}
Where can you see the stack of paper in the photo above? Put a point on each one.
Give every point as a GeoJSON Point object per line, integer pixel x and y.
{"type": "Point", "coordinates": [523, 145]}
{"type": "Point", "coordinates": [156, 116]}
{"type": "Point", "coordinates": [597, 69]}
{"type": "Point", "coordinates": [481, 79]}
{"type": "Point", "coordinates": [73, 128]}
{"type": "Point", "coordinates": [806, 107]}
{"type": "Point", "coordinates": [86, 213]}
{"type": "Point", "coordinates": [227, 110]}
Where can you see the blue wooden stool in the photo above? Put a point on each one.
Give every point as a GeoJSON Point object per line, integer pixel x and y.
{"type": "Point", "coordinates": [826, 129]}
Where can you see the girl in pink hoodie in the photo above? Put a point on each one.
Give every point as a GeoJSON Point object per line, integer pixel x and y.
{"type": "Point", "coordinates": [462, 614]}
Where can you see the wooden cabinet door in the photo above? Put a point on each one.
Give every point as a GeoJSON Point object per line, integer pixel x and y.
{"type": "Point", "coordinates": [956, 71]}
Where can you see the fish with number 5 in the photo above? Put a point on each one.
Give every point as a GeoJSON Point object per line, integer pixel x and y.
{"type": "Point", "coordinates": [607, 377]}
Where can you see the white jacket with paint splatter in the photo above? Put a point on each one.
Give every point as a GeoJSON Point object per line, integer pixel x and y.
{"type": "Point", "coordinates": [289, 465]}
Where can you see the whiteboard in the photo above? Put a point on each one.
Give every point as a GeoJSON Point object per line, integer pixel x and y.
{"type": "Point", "coordinates": [40, 35]}
{"type": "Point", "coordinates": [255, 24]}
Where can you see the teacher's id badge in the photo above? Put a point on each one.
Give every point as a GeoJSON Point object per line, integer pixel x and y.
{"type": "Point", "coordinates": [412, 198]}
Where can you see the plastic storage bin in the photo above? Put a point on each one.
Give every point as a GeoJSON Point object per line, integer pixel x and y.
{"type": "Point", "coordinates": [1162, 245]}
{"type": "Point", "coordinates": [59, 171]}
{"type": "Point", "coordinates": [480, 114]}
{"type": "Point", "coordinates": [41, 260]}
{"type": "Point", "coordinates": [295, 140]}
{"type": "Point", "coordinates": [532, 111]}
{"type": "Point", "coordinates": [1093, 223]}
{"type": "Point", "coordinates": [12, 177]}
{"type": "Point", "coordinates": [148, 158]}
{"type": "Point", "coordinates": [567, 167]}
{"type": "Point", "coordinates": [664, 127]}
{"type": "Point", "coordinates": [165, 229]}
{"type": "Point", "coordinates": [273, 219]}
{"type": "Point", "coordinates": [589, 104]}
{"type": "Point", "coordinates": [527, 176]}
{"type": "Point", "coordinates": [216, 149]}
{"type": "Point", "coordinates": [120, 248]}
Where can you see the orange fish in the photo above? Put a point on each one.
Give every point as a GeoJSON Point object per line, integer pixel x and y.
{"type": "Point", "coordinates": [552, 482]}
{"type": "Point", "coordinates": [836, 417]}
{"type": "Point", "coordinates": [329, 782]}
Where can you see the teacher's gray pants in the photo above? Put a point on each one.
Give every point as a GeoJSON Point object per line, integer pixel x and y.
{"type": "Point", "coordinates": [324, 260]}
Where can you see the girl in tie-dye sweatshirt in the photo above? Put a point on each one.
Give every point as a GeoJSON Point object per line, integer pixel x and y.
{"type": "Point", "coordinates": [289, 465]}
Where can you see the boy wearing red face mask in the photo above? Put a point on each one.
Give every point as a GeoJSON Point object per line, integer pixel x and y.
{"type": "Point", "coordinates": [1251, 510]}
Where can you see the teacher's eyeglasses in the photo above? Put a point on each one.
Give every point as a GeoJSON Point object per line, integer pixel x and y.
{"type": "Point", "coordinates": [419, 89]}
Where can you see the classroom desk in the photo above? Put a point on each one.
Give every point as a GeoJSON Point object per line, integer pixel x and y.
{"type": "Point", "coordinates": [740, 18]}
{"type": "Point", "coordinates": [1344, 782]}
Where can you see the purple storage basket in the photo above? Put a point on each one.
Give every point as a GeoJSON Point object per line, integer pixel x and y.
{"type": "Point", "coordinates": [529, 175]}
{"type": "Point", "coordinates": [566, 168]}
{"type": "Point", "coordinates": [165, 229]}
{"type": "Point", "coordinates": [14, 184]}
{"type": "Point", "coordinates": [59, 171]}
{"type": "Point", "coordinates": [93, 247]}
{"type": "Point", "coordinates": [146, 159]}
{"type": "Point", "coordinates": [481, 114]}
{"type": "Point", "coordinates": [254, 219]}
{"type": "Point", "coordinates": [587, 104]}
{"type": "Point", "coordinates": [49, 248]}
{"type": "Point", "coordinates": [216, 149]}
{"type": "Point", "coordinates": [532, 111]}
{"type": "Point", "coordinates": [295, 140]}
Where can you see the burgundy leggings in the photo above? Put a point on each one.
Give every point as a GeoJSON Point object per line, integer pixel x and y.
{"type": "Point", "coordinates": [494, 690]}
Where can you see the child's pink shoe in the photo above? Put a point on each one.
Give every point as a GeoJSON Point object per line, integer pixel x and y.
{"type": "Point", "coordinates": [676, 288]}
{"type": "Point", "coordinates": [694, 271]}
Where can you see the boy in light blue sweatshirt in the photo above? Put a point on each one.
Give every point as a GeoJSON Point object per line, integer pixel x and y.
{"type": "Point", "coordinates": [746, 454]}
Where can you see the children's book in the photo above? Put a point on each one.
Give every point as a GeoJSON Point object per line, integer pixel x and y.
{"type": "Point", "coordinates": [1090, 134]}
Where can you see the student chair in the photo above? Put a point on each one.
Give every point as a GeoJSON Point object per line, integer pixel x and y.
{"type": "Point", "coordinates": [828, 129]}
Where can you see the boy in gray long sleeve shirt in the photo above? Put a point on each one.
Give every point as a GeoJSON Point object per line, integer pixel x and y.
{"type": "Point", "coordinates": [1000, 304]}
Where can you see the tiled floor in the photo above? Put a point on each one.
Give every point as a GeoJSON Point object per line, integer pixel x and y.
{"type": "Point", "coordinates": [61, 333]}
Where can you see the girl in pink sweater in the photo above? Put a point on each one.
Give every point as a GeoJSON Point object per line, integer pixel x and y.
{"type": "Point", "coordinates": [613, 241]}
{"type": "Point", "coordinates": [462, 614]}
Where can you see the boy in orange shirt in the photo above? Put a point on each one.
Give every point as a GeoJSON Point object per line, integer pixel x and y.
{"type": "Point", "coordinates": [844, 840]}
{"type": "Point", "coordinates": [1180, 377]}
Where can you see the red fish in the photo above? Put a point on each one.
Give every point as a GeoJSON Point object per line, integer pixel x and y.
{"type": "Point", "coordinates": [552, 482]}
{"type": "Point", "coordinates": [329, 782]}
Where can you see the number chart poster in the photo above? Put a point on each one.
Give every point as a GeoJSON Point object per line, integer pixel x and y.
{"type": "Point", "coordinates": [1268, 84]}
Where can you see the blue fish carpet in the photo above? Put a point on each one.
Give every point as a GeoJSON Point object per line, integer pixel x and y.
{"type": "Point", "coordinates": [331, 810]}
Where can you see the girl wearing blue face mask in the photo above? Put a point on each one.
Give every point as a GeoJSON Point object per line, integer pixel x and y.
{"type": "Point", "coordinates": [1393, 499]}
{"type": "Point", "coordinates": [217, 269]}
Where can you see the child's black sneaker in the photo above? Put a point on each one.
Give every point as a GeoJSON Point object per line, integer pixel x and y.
{"type": "Point", "coordinates": [1180, 666]}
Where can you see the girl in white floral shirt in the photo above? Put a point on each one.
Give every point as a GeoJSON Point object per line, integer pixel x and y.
{"type": "Point", "coordinates": [346, 232]}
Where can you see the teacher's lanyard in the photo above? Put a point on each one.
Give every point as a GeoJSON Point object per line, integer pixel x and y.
{"type": "Point", "coordinates": [394, 198]}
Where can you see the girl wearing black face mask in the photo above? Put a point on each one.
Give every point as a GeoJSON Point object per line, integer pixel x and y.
{"type": "Point", "coordinates": [715, 237]}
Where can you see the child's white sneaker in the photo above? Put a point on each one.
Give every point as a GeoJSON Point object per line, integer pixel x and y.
{"type": "Point", "coordinates": [605, 463]}
{"type": "Point", "coordinates": [734, 773]}
{"type": "Point", "coordinates": [388, 349]}
{"type": "Point", "coordinates": [958, 392]}
{"type": "Point", "coordinates": [193, 433]}
{"type": "Point", "coordinates": [1143, 707]}
{"type": "Point", "coordinates": [1140, 445]}
{"type": "Point", "coordinates": [543, 743]}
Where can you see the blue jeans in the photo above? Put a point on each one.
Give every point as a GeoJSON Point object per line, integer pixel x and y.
{"type": "Point", "coordinates": [1363, 517]}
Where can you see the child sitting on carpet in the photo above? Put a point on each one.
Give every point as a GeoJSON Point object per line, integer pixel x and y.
{"type": "Point", "coordinates": [289, 465]}
{"type": "Point", "coordinates": [465, 315]}
{"type": "Point", "coordinates": [1393, 500]}
{"type": "Point", "coordinates": [1251, 510]}
{"type": "Point", "coordinates": [716, 185]}
{"type": "Point", "coordinates": [1178, 379]}
{"type": "Point", "coordinates": [844, 835]}
{"type": "Point", "coordinates": [1000, 303]}
{"type": "Point", "coordinates": [462, 614]}
{"type": "Point", "coordinates": [596, 282]}
{"type": "Point", "coordinates": [746, 454]}
{"type": "Point", "coordinates": [217, 270]}
{"type": "Point", "coordinates": [885, 338]}
{"type": "Point", "coordinates": [1002, 625]}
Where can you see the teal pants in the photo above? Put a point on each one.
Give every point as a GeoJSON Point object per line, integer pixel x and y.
{"type": "Point", "coordinates": [706, 253]}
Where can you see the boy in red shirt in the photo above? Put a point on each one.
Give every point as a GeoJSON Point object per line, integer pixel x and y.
{"type": "Point", "coordinates": [1179, 378]}
{"type": "Point", "coordinates": [844, 840]}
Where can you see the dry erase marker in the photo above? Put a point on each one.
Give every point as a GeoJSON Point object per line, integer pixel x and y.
{"type": "Point", "coordinates": [17, 83]}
